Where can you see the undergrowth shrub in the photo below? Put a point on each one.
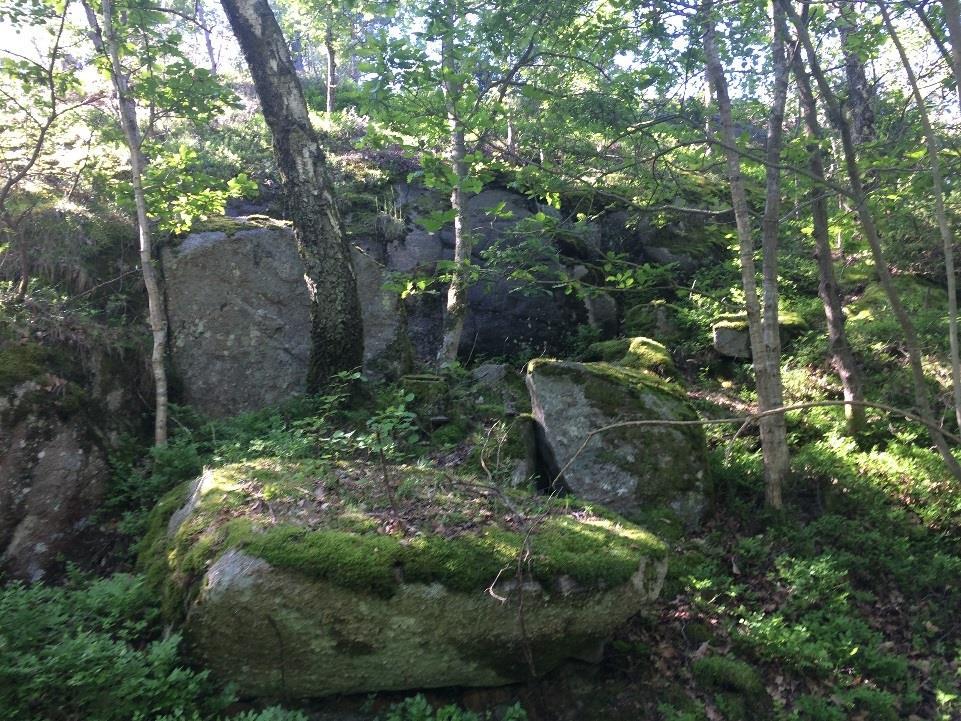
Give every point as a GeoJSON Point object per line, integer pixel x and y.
{"type": "Point", "coordinates": [417, 708]}
{"type": "Point", "coordinates": [90, 650]}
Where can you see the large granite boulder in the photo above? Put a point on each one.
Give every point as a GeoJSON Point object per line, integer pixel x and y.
{"type": "Point", "coordinates": [630, 469]}
{"type": "Point", "coordinates": [240, 317]}
{"type": "Point", "coordinates": [504, 317]}
{"type": "Point", "coordinates": [298, 579]}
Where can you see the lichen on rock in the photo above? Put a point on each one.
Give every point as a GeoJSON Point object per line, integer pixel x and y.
{"type": "Point", "coordinates": [629, 468]}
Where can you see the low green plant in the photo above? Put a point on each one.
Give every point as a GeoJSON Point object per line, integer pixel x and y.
{"type": "Point", "coordinates": [417, 708]}
{"type": "Point", "coordinates": [92, 650]}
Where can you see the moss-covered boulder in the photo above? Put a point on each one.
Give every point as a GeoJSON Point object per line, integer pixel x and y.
{"type": "Point", "coordinates": [638, 353]}
{"type": "Point", "coordinates": [657, 319]}
{"type": "Point", "coordinates": [631, 469]}
{"type": "Point", "coordinates": [302, 579]}
{"type": "Point", "coordinates": [732, 338]}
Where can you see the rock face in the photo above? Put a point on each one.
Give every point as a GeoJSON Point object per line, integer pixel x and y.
{"type": "Point", "coordinates": [731, 340]}
{"type": "Point", "coordinates": [61, 410]}
{"type": "Point", "coordinates": [501, 320]}
{"type": "Point", "coordinates": [274, 632]}
{"type": "Point", "coordinates": [308, 600]}
{"type": "Point", "coordinates": [240, 318]}
{"type": "Point", "coordinates": [52, 476]}
{"type": "Point", "coordinates": [630, 469]}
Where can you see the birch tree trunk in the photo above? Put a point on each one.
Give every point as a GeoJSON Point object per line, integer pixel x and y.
{"type": "Point", "coordinates": [842, 358]}
{"type": "Point", "coordinates": [952, 14]}
{"type": "Point", "coordinates": [859, 90]}
{"type": "Point", "coordinates": [456, 307]}
{"type": "Point", "coordinates": [208, 40]}
{"type": "Point", "coordinates": [336, 329]}
{"type": "Point", "coordinates": [763, 329]}
{"type": "Point", "coordinates": [873, 237]}
{"type": "Point", "coordinates": [105, 38]}
{"type": "Point", "coordinates": [944, 228]}
{"type": "Point", "coordinates": [331, 61]}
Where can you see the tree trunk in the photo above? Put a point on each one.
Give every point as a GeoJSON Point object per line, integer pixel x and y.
{"type": "Point", "coordinates": [947, 239]}
{"type": "Point", "coordinates": [331, 62]}
{"type": "Point", "coordinates": [24, 257]}
{"type": "Point", "coordinates": [109, 43]}
{"type": "Point", "coordinates": [952, 14]}
{"type": "Point", "coordinates": [871, 234]}
{"type": "Point", "coordinates": [859, 89]}
{"type": "Point", "coordinates": [336, 330]}
{"type": "Point", "coordinates": [208, 41]}
{"type": "Point", "coordinates": [765, 346]}
{"type": "Point", "coordinates": [456, 307]}
{"type": "Point", "coordinates": [842, 358]}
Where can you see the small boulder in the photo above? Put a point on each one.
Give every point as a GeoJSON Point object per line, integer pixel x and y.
{"type": "Point", "coordinates": [638, 353]}
{"type": "Point", "coordinates": [299, 581]}
{"type": "Point", "coordinates": [656, 319]}
{"type": "Point", "coordinates": [632, 469]}
{"type": "Point", "coordinates": [732, 337]}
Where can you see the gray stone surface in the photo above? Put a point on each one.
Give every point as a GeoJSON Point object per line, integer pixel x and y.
{"type": "Point", "coordinates": [240, 319]}
{"type": "Point", "coordinates": [52, 478]}
{"type": "Point", "coordinates": [629, 469]}
{"type": "Point", "coordinates": [277, 633]}
{"type": "Point", "coordinates": [732, 341]}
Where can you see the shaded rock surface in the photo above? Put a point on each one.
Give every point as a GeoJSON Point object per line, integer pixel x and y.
{"type": "Point", "coordinates": [501, 318]}
{"type": "Point", "coordinates": [631, 469]}
{"type": "Point", "coordinates": [59, 416]}
{"type": "Point", "coordinates": [53, 473]}
{"type": "Point", "coordinates": [311, 599]}
{"type": "Point", "coordinates": [732, 337]}
{"type": "Point", "coordinates": [274, 632]}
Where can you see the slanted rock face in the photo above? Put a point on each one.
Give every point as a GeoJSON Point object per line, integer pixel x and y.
{"type": "Point", "coordinates": [52, 477]}
{"type": "Point", "coordinates": [732, 340]}
{"type": "Point", "coordinates": [311, 598]}
{"type": "Point", "coordinates": [630, 469]}
{"type": "Point", "coordinates": [240, 318]}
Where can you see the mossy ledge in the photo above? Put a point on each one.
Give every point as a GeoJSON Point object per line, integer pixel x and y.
{"type": "Point", "coordinates": [333, 522]}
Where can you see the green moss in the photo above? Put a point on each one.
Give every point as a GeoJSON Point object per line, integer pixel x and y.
{"type": "Point", "coordinates": [740, 690]}
{"type": "Point", "coordinates": [639, 353]}
{"type": "Point", "coordinates": [647, 354]}
{"type": "Point", "coordinates": [788, 321]}
{"type": "Point", "coordinates": [154, 552]}
{"type": "Point", "coordinates": [350, 549]}
{"type": "Point", "coordinates": [727, 674]}
{"type": "Point", "coordinates": [20, 363]}
{"type": "Point", "coordinates": [355, 561]}
{"type": "Point", "coordinates": [605, 382]}
{"type": "Point", "coordinates": [231, 226]}
{"type": "Point", "coordinates": [608, 351]}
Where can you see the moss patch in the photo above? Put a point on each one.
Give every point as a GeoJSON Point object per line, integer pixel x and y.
{"type": "Point", "coordinates": [231, 226]}
{"type": "Point", "coordinates": [740, 690]}
{"type": "Point", "coordinates": [788, 321]}
{"type": "Point", "coordinates": [334, 522]}
{"type": "Point", "coordinates": [21, 363]}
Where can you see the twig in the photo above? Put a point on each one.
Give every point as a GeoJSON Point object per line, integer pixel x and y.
{"type": "Point", "coordinates": [753, 418]}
